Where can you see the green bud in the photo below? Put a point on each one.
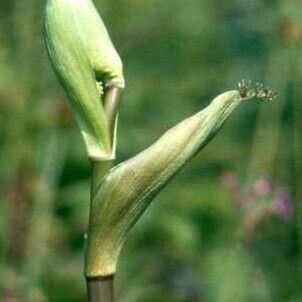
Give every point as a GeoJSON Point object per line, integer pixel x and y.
{"type": "Point", "coordinates": [86, 63]}
{"type": "Point", "coordinates": [123, 195]}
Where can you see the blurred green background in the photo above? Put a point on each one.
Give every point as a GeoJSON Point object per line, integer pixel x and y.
{"type": "Point", "coordinates": [229, 227]}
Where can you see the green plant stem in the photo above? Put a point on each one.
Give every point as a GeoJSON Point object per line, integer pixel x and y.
{"type": "Point", "coordinates": [111, 105]}
{"type": "Point", "coordinates": [100, 289]}
{"type": "Point", "coordinates": [98, 170]}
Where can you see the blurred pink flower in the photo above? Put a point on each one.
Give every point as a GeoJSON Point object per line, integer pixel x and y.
{"type": "Point", "coordinates": [262, 187]}
{"type": "Point", "coordinates": [283, 203]}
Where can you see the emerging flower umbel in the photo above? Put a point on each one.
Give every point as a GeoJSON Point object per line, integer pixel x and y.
{"type": "Point", "coordinates": [88, 66]}
{"type": "Point", "coordinates": [86, 63]}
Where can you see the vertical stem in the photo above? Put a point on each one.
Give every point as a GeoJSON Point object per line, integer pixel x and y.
{"type": "Point", "coordinates": [100, 289]}
{"type": "Point", "coordinates": [98, 170]}
{"type": "Point", "coordinates": [111, 105]}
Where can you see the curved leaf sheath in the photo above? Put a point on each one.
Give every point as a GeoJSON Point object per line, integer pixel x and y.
{"type": "Point", "coordinates": [127, 190]}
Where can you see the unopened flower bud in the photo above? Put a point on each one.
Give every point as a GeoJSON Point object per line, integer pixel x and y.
{"type": "Point", "coordinates": [86, 62]}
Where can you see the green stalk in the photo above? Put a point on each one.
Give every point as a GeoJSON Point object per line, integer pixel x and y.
{"type": "Point", "coordinates": [112, 101]}
{"type": "Point", "coordinates": [98, 289]}
{"type": "Point", "coordinates": [101, 289]}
